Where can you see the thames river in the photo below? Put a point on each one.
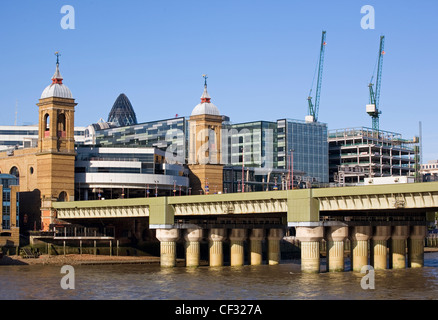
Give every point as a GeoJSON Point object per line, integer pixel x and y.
{"type": "Point", "coordinates": [280, 282]}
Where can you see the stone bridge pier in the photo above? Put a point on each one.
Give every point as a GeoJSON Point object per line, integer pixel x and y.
{"type": "Point", "coordinates": [238, 239]}
{"type": "Point", "coordinates": [382, 247]}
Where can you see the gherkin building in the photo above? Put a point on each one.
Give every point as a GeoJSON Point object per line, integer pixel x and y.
{"type": "Point", "coordinates": [122, 112]}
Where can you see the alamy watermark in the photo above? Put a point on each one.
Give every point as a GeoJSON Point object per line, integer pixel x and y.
{"type": "Point", "coordinates": [368, 21]}
{"type": "Point", "coordinates": [367, 281]}
{"type": "Point", "coordinates": [223, 146]}
{"type": "Point", "coordinates": [68, 20]}
{"type": "Point", "coordinates": [68, 281]}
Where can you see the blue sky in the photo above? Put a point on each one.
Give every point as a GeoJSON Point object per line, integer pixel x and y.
{"type": "Point", "coordinates": [260, 58]}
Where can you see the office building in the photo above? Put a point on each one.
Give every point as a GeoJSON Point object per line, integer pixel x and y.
{"type": "Point", "coordinates": [9, 198]}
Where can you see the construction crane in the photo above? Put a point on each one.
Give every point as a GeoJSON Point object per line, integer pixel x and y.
{"type": "Point", "coordinates": [373, 108]}
{"type": "Point", "coordinates": [314, 108]}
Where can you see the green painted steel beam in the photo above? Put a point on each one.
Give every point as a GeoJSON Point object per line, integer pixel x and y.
{"type": "Point", "coordinates": [302, 207]}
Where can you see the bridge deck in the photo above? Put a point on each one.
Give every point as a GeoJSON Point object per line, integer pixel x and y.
{"type": "Point", "coordinates": [304, 205]}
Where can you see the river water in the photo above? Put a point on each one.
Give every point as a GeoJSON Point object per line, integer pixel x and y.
{"type": "Point", "coordinates": [280, 282]}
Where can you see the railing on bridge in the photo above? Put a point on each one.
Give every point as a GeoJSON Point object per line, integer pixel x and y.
{"type": "Point", "coordinates": [76, 231]}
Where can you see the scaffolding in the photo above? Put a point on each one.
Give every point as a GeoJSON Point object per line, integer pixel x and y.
{"type": "Point", "coordinates": [359, 153]}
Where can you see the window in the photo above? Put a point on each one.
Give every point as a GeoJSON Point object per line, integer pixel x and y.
{"type": "Point", "coordinates": [62, 196]}
{"type": "Point", "coordinates": [6, 210]}
{"type": "Point", "coordinates": [6, 195]}
{"type": "Point", "coordinates": [46, 122]}
{"type": "Point", "coordinates": [14, 171]}
{"type": "Point", "coordinates": [61, 122]}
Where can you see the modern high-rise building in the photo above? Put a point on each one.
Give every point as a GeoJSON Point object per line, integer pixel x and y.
{"type": "Point", "coordinates": [122, 112]}
{"type": "Point", "coordinates": [302, 147]}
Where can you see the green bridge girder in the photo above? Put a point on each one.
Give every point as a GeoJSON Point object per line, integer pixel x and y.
{"type": "Point", "coordinates": [303, 206]}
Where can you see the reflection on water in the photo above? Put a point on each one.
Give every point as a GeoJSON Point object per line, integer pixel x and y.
{"type": "Point", "coordinates": [284, 281]}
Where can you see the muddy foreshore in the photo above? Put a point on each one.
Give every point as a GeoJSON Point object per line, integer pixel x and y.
{"type": "Point", "coordinates": [90, 259]}
{"type": "Point", "coordinates": [76, 259]}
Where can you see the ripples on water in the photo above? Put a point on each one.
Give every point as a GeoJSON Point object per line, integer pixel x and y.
{"type": "Point", "coordinates": [284, 281]}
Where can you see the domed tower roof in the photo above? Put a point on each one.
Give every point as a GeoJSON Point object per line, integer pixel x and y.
{"type": "Point", "coordinates": [205, 107]}
{"type": "Point", "coordinates": [57, 88]}
{"type": "Point", "coordinates": [122, 112]}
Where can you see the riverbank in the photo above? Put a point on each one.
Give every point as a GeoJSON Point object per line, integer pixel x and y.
{"type": "Point", "coordinates": [78, 259]}
{"type": "Point", "coordinates": [90, 259]}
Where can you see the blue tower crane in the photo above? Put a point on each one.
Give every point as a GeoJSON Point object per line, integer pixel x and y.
{"type": "Point", "coordinates": [314, 108]}
{"type": "Point", "coordinates": [373, 109]}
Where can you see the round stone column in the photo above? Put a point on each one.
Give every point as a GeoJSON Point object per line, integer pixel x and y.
{"type": "Point", "coordinates": [416, 246]}
{"type": "Point", "coordinates": [192, 239]}
{"type": "Point", "coordinates": [256, 249]}
{"type": "Point", "coordinates": [167, 238]}
{"type": "Point", "coordinates": [359, 242]}
{"type": "Point", "coordinates": [398, 245]}
{"type": "Point", "coordinates": [274, 254]}
{"type": "Point", "coordinates": [216, 237]}
{"type": "Point", "coordinates": [237, 239]}
{"type": "Point", "coordinates": [335, 248]}
{"type": "Point", "coordinates": [380, 247]}
{"type": "Point", "coordinates": [310, 238]}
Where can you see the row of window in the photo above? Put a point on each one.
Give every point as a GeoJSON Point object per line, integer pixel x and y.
{"type": "Point", "coordinates": [429, 166]}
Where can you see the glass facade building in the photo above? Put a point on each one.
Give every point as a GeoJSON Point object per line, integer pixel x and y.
{"type": "Point", "coordinates": [260, 146]}
{"type": "Point", "coordinates": [253, 143]}
{"type": "Point", "coordinates": [167, 135]}
{"type": "Point", "coordinates": [304, 145]}
{"type": "Point", "coordinates": [7, 181]}
{"type": "Point", "coordinates": [27, 136]}
{"type": "Point", "coordinates": [116, 172]}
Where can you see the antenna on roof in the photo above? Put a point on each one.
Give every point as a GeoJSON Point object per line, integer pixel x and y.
{"type": "Point", "coordinates": [16, 111]}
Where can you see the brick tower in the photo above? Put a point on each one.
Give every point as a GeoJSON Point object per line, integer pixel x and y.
{"type": "Point", "coordinates": [206, 169]}
{"type": "Point", "coordinates": [56, 153]}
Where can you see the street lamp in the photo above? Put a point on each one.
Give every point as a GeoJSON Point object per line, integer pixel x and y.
{"type": "Point", "coordinates": [156, 188]}
{"type": "Point", "coordinates": [291, 166]}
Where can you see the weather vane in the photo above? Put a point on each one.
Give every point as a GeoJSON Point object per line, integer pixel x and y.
{"type": "Point", "coordinates": [205, 79]}
{"type": "Point", "coordinates": [57, 54]}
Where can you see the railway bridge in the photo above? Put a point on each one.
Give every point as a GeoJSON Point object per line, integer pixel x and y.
{"type": "Point", "coordinates": [386, 224]}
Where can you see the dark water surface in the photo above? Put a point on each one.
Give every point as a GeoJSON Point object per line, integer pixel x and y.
{"type": "Point", "coordinates": [280, 282]}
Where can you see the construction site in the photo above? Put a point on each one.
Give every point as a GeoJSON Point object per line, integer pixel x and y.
{"type": "Point", "coordinates": [359, 155]}
{"type": "Point", "coordinates": [367, 155]}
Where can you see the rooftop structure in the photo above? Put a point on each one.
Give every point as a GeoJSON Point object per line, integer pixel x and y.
{"type": "Point", "coordinates": [205, 107]}
{"type": "Point", "coordinates": [57, 88]}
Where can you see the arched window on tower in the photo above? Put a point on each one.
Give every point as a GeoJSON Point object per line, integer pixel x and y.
{"type": "Point", "coordinates": [14, 171]}
{"type": "Point", "coordinates": [46, 125]}
{"type": "Point", "coordinates": [62, 196]}
{"type": "Point", "coordinates": [61, 125]}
